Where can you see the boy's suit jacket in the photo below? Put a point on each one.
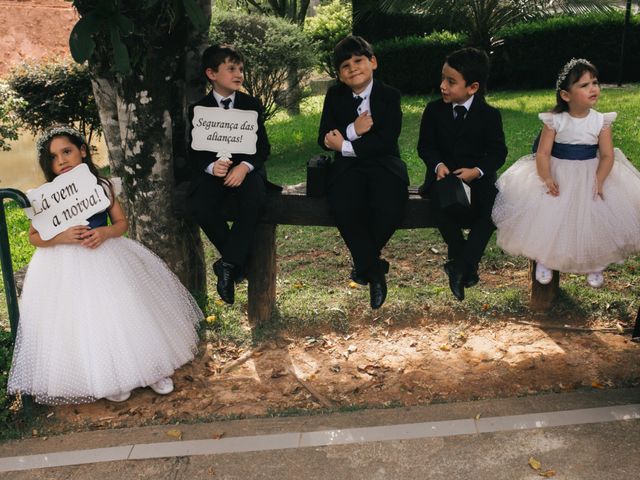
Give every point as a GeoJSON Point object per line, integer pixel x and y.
{"type": "Point", "coordinates": [380, 144]}
{"type": "Point", "coordinates": [478, 143]}
{"type": "Point", "coordinates": [200, 160]}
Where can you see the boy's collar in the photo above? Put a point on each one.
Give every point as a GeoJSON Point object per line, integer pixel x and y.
{"type": "Point", "coordinates": [365, 93]}
{"type": "Point", "coordinates": [466, 104]}
{"type": "Point", "coordinates": [219, 97]}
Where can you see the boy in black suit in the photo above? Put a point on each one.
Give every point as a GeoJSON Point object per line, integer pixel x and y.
{"type": "Point", "coordinates": [361, 121]}
{"type": "Point", "coordinates": [460, 134]}
{"type": "Point", "coordinates": [216, 179]}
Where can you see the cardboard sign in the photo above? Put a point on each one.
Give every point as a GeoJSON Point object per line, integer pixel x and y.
{"type": "Point", "coordinates": [69, 200]}
{"type": "Point", "coordinates": [224, 131]}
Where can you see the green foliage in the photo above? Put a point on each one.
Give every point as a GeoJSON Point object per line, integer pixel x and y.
{"type": "Point", "coordinates": [104, 18]}
{"type": "Point", "coordinates": [482, 19]}
{"type": "Point", "coordinates": [331, 23]}
{"type": "Point", "coordinates": [55, 92]}
{"type": "Point", "coordinates": [526, 61]}
{"type": "Point", "coordinates": [271, 47]}
{"type": "Point", "coordinates": [413, 64]}
{"type": "Point", "coordinates": [9, 120]}
{"type": "Point", "coordinates": [5, 365]}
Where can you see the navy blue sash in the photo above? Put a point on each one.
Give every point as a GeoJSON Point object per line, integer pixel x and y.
{"type": "Point", "coordinates": [566, 151]}
{"type": "Point", "coordinates": [98, 220]}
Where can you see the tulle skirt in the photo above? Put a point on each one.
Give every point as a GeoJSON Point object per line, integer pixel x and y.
{"type": "Point", "coordinates": [99, 322]}
{"type": "Point", "coordinates": [572, 232]}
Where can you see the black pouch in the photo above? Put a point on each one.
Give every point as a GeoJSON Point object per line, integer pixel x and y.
{"type": "Point", "coordinates": [318, 175]}
{"type": "Point", "coordinates": [452, 195]}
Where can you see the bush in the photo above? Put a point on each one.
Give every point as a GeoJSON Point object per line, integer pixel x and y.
{"type": "Point", "coordinates": [9, 121]}
{"type": "Point", "coordinates": [331, 24]}
{"type": "Point", "coordinates": [55, 92]}
{"type": "Point", "coordinates": [533, 52]}
{"type": "Point", "coordinates": [271, 47]}
{"type": "Point", "coordinates": [377, 26]}
{"type": "Point", "coordinates": [413, 64]}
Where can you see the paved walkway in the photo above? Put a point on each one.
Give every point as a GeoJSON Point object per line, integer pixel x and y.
{"type": "Point", "coordinates": [581, 435]}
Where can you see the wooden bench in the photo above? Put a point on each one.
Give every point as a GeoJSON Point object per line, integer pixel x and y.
{"type": "Point", "coordinates": [293, 207]}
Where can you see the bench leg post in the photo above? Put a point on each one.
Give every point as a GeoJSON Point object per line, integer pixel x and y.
{"type": "Point", "coordinates": [543, 296]}
{"type": "Point", "coordinates": [262, 274]}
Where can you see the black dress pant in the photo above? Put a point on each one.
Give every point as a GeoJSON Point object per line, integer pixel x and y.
{"type": "Point", "coordinates": [209, 200]}
{"type": "Point", "coordinates": [478, 219]}
{"type": "Point", "coordinates": [368, 203]}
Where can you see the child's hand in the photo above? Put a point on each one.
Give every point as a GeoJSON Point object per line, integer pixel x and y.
{"type": "Point", "coordinates": [94, 238]}
{"type": "Point", "coordinates": [597, 189]}
{"type": "Point", "coordinates": [442, 171]}
{"type": "Point", "coordinates": [71, 235]}
{"type": "Point", "coordinates": [467, 175]}
{"type": "Point", "coordinates": [552, 186]}
{"type": "Point", "coordinates": [236, 175]}
{"type": "Point", "coordinates": [333, 140]}
{"type": "Point", "coordinates": [221, 167]}
{"type": "Point", "coordinates": [363, 123]}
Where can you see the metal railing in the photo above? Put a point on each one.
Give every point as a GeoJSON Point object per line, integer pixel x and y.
{"type": "Point", "coordinates": [5, 257]}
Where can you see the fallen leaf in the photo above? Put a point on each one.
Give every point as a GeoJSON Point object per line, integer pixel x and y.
{"type": "Point", "coordinates": [211, 472]}
{"type": "Point", "coordinates": [477, 417]}
{"type": "Point", "coordinates": [353, 285]}
{"type": "Point", "coordinates": [211, 318]}
{"type": "Point", "coordinates": [352, 349]}
{"type": "Point", "coordinates": [434, 250]}
{"type": "Point", "coordinates": [175, 433]}
{"type": "Point", "coordinates": [34, 433]}
{"type": "Point", "coordinates": [620, 328]}
{"type": "Point", "coordinates": [547, 474]}
{"type": "Point", "coordinates": [219, 302]}
{"type": "Point", "coordinates": [445, 347]}
{"type": "Point", "coordinates": [218, 436]}
{"type": "Point", "coordinates": [278, 373]}
{"type": "Point", "coordinates": [298, 285]}
{"type": "Point", "coordinates": [596, 384]}
{"type": "Point", "coordinates": [535, 464]}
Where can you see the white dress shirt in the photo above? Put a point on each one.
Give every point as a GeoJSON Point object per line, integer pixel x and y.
{"type": "Point", "coordinates": [347, 147]}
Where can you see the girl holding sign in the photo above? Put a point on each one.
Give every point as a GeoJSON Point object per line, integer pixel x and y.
{"type": "Point", "coordinates": [100, 314]}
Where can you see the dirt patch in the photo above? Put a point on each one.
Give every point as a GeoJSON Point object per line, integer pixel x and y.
{"type": "Point", "coordinates": [34, 29]}
{"type": "Point", "coordinates": [379, 365]}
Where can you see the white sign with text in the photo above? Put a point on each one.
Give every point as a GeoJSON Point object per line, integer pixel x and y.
{"type": "Point", "coordinates": [224, 131]}
{"type": "Point", "coordinates": [69, 200]}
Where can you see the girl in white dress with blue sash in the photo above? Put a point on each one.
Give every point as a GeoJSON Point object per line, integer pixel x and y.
{"type": "Point", "coordinates": [574, 204]}
{"type": "Point", "coordinates": [100, 314]}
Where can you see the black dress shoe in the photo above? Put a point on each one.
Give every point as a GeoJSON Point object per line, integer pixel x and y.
{"type": "Point", "coordinates": [456, 278]}
{"type": "Point", "coordinates": [377, 290]}
{"type": "Point", "coordinates": [471, 278]}
{"type": "Point", "coordinates": [362, 279]}
{"type": "Point", "coordinates": [226, 275]}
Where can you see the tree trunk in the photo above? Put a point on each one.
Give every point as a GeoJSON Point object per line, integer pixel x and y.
{"type": "Point", "coordinates": [144, 117]}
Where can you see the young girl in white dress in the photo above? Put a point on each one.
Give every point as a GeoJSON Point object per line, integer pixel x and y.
{"type": "Point", "coordinates": [100, 314]}
{"type": "Point", "coordinates": [574, 205]}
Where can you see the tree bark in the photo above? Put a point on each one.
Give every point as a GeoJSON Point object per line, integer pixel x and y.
{"type": "Point", "coordinates": [144, 116]}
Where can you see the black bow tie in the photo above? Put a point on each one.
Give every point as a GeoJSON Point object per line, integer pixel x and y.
{"type": "Point", "coordinates": [357, 100]}
{"type": "Point", "coordinates": [225, 103]}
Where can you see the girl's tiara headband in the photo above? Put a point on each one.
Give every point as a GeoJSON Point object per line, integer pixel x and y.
{"type": "Point", "coordinates": [570, 65]}
{"type": "Point", "coordinates": [56, 131]}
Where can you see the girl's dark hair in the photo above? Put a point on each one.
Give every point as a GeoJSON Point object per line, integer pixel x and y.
{"type": "Point", "coordinates": [45, 158]}
{"type": "Point", "coordinates": [350, 46]}
{"type": "Point", "coordinates": [570, 74]}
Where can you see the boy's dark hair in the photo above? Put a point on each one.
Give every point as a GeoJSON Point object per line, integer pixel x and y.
{"type": "Point", "coordinates": [350, 46]}
{"type": "Point", "coordinates": [473, 65]}
{"type": "Point", "coordinates": [213, 56]}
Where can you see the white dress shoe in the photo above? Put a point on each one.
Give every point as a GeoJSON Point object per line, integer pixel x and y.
{"type": "Point", "coordinates": [544, 275]}
{"type": "Point", "coordinates": [162, 386]}
{"type": "Point", "coordinates": [595, 279]}
{"type": "Point", "coordinates": [119, 397]}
